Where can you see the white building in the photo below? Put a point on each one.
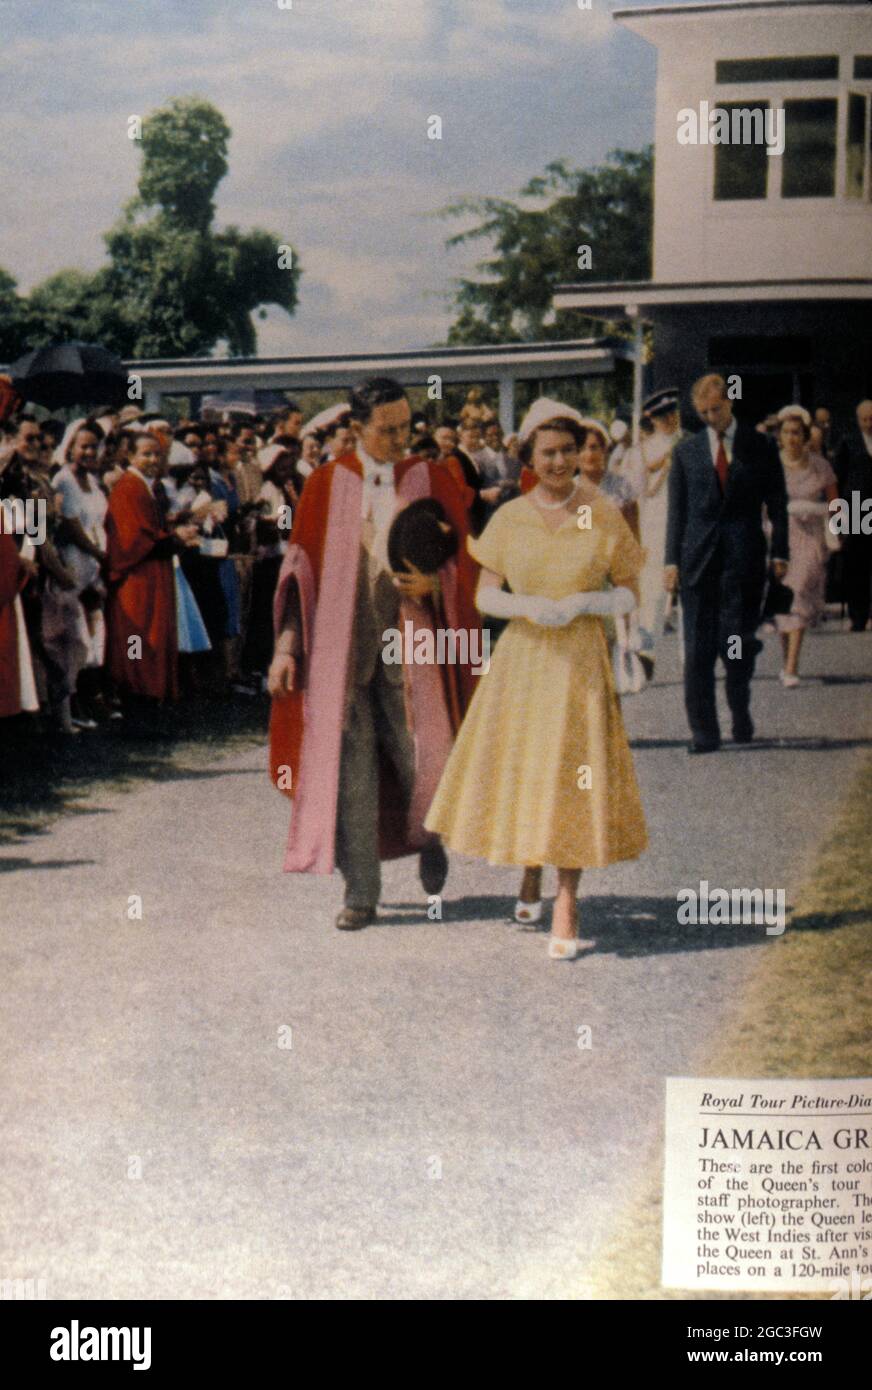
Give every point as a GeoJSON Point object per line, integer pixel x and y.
{"type": "Point", "coordinates": [762, 261]}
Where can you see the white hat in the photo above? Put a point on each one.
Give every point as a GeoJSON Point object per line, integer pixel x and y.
{"type": "Point", "coordinates": [789, 412]}
{"type": "Point", "coordinates": [180, 456]}
{"type": "Point", "coordinates": [591, 424]}
{"type": "Point", "coordinates": [325, 418]}
{"type": "Point", "coordinates": [268, 454]}
{"type": "Point", "coordinates": [62, 449]}
{"type": "Point", "coordinates": [543, 410]}
{"type": "Point", "coordinates": [619, 430]}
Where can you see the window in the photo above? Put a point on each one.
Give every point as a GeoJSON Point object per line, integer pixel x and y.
{"type": "Point", "coordinates": [809, 164]}
{"type": "Point", "coordinates": [741, 170]}
{"type": "Point", "coordinates": [855, 158]}
{"type": "Point", "coordinates": [863, 66]}
{"type": "Point", "coordinates": [779, 69]}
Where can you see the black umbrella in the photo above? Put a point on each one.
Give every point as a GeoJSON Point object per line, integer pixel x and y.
{"type": "Point", "coordinates": [70, 374]}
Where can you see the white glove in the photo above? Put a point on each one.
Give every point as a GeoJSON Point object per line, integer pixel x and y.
{"type": "Point", "coordinates": [615, 603]}
{"type": "Point", "coordinates": [498, 604]}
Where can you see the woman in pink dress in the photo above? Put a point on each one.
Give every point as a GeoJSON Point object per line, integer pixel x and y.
{"type": "Point", "coordinates": [811, 485]}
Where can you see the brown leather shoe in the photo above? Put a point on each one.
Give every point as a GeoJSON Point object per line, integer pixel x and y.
{"type": "Point", "coordinates": [353, 918]}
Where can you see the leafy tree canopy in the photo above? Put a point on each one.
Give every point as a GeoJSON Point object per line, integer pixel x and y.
{"type": "Point", "coordinates": [535, 247]}
{"type": "Point", "coordinates": [174, 285]}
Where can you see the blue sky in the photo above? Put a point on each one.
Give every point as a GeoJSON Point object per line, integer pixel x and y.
{"type": "Point", "coordinates": [328, 103]}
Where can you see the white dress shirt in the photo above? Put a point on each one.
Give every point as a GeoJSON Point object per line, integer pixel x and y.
{"type": "Point", "coordinates": [867, 440]}
{"type": "Point", "coordinates": [379, 501]}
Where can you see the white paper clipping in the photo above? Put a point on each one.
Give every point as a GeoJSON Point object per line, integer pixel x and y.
{"type": "Point", "coordinates": [768, 1186]}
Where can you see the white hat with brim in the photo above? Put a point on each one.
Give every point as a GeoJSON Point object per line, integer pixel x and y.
{"type": "Point", "coordinates": [325, 418]}
{"type": "Point", "coordinates": [591, 424]}
{"type": "Point", "coordinates": [788, 412]}
{"type": "Point", "coordinates": [268, 455]}
{"type": "Point", "coordinates": [542, 412]}
{"type": "Point", "coordinates": [180, 455]}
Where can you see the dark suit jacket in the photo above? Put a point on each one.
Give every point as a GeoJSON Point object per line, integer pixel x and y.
{"type": "Point", "coordinates": [853, 466]}
{"type": "Point", "coordinates": [702, 521]}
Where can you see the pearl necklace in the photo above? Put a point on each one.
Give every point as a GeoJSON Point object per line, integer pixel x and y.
{"type": "Point", "coordinates": [555, 506]}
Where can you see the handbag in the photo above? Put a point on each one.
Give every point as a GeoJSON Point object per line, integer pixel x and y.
{"type": "Point", "coordinates": [630, 675]}
{"type": "Point", "coordinates": [779, 598]}
{"type": "Point", "coordinates": [832, 540]}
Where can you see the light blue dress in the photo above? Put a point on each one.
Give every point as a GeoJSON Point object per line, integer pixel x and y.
{"type": "Point", "coordinates": [192, 633]}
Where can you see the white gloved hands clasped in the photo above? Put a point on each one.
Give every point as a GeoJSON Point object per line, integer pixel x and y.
{"type": "Point", "coordinates": [547, 612]}
{"type": "Point", "coordinates": [615, 603]}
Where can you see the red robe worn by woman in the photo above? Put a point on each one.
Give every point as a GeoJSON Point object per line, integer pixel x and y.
{"type": "Point", "coordinates": [141, 601]}
{"type": "Point", "coordinates": [306, 726]}
{"type": "Point", "coordinates": [11, 580]}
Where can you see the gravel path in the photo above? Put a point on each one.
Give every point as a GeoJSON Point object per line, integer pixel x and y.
{"type": "Point", "coordinates": [434, 1129]}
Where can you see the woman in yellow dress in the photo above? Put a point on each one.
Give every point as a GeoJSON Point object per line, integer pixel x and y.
{"type": "Point", "coordinates": [541, 772]}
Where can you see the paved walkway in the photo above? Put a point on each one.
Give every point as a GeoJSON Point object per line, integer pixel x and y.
{"type": "Point", "coordinates": [434, 1129]}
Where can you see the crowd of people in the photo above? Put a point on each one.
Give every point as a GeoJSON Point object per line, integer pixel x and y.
{"type": "Point", "coordinates": [220, 497]}
{"type": "Point", "coordinates": [187, 564]}
{"type": "Point", "coordinates": [142, 561]}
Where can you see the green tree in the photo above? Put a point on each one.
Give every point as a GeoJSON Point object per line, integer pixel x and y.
{"type": "Point", "coordinates": [174, 286]}
{"type": "Point", "coordinates": [182, 285]}
{"type": "Point", "coordinates": [71, 304]}
{"type": "Point", "coordinates": [184, 158]}
{"type": "Point", "coordinates": [535, 247]}
{"type": "Point", "coordinates": [13, 320]}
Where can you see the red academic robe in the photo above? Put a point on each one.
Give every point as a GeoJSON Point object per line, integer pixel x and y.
{"type": "Point", "coordinates": [142, 599]}
{"type": "Point", "coordinates": [306, 726]}
{"type": "Point", "coordinates": [11, 581]}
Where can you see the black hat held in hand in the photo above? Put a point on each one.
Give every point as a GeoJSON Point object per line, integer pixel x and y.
{"type": "Point", "coordinates": [422, 534]}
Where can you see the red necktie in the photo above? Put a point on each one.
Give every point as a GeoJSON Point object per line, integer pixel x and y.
{"type": "Point", "coordinates": [721, 464]}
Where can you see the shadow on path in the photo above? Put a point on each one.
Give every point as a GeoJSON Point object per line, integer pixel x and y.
{"type": "Point", "coordinates": [8, 865]}
{"type": "Point", "coordinates": [45, 776]}
{"type": "Point", "coordinates": [619, 926]}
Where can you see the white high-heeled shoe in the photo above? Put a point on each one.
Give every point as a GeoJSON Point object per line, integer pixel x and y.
{"type": "Point", "coordinates": [528, 914]}
{"type": "Point", "coordinates": [562, 948]}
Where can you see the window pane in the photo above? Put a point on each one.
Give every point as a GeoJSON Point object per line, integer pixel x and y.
{"type": "Point", "coordinates": [863, 66]}
{"type": "Point", "coordinates": [741, 170]}
{"type": "Point", "coordinates": [777, 69]}
{"type": "Point", "coordinates": [809, 167]}
{"type": "Point", "coordinates": [856, 149]}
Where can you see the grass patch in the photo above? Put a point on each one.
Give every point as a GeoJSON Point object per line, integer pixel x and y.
{"type": "Point", "coordinates": [805, 1013]}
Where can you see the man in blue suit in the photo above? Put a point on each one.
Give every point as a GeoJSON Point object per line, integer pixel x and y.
{"type": "Point", "coordinates": [720, 481]}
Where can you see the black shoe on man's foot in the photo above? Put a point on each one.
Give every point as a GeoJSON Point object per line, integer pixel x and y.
{"type": "Point", "coordinates": [433, 867]}
{"type": "Point", "coordinates": [743, 731]}
{"type": "Point", "coordinates": [699, 745]}
{"type": "Point", "coordinates": [353, 918]}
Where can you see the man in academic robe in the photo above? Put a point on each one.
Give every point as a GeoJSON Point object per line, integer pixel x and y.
{"type": "Point", "coordinates": [360, 743]}
{"type": "Point", "coordinates": [853, 465]}
{"type": "Point", "coordinates": [141, 605]}
{"type": "Point", "coordinates": [719, 484]}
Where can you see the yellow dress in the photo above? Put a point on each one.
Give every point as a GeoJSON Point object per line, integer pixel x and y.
{"type": "Point", "coordinates": [541, 772]}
